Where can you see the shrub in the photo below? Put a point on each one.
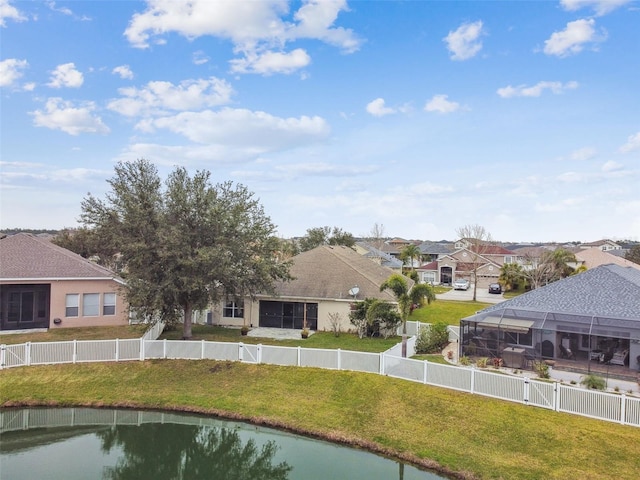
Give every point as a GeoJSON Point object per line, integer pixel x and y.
{"type": "Point", "coordinates": [497, 362]}
{"type": "Point", "coordinates": [464, 361]}
{"type": "Point", "coordinates": [432, 338]}
{"type": "Point", "coordinates": [335, 321]}
{"type": "Point", "coordinates": [594, 382]}
{"type": "Point", "coordinates": [482, 362]}
{"type": "Point", "coordinates": [542, 369]}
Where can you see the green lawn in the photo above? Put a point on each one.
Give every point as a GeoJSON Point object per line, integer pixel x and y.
{"type": "Point", "coordinates": [446, 311]}
{"type": "Point", "coordinates": [345, 341]}
{"type": "Point", "coordinates": [478, 437]}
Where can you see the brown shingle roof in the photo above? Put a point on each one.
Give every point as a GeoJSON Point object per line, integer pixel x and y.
{"type": "Point", "coordinates": [25, 257]}
{"type": "Point", "coordinates": [331, 271]}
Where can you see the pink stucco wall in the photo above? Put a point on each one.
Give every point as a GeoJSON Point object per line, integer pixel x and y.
{"type": "Point", "coordinates": [60, 289]}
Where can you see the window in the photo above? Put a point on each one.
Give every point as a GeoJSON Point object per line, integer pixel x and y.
{"type": "Point", "coordinates": [233, 310]}
{"type": "Point", "coordinates": [519, 338]}
{"type": "Point", "coordinates": [71, 305]}
{"type": "Point", "coordinates": [109, 304]}
{"type": "Point", "coordinates": [429, 277]}
{"type": "Point", "coordinates": [90, 304]}
{"type": "Point", "coordinates": [508, 259]}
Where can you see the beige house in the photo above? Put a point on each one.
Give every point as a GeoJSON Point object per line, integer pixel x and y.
{"type": "Point", "coordinates": [487, 260]}
{"type": "Point", "coordinates": [594, 257]}
{"type": "Point", "coordinates": [45, 286]}
{"type": "Point", "coordinates": [327, 280]}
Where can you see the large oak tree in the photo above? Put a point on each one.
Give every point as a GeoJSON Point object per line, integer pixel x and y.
{"type": "Point", "coordinates": [185, 244]}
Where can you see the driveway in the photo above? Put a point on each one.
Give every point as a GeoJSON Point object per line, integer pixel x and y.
{"type": "Point", "coordinates": [482, 295]}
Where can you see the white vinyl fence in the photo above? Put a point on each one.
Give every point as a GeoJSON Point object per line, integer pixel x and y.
{"type": "Point", "coordinates": [613, 407]}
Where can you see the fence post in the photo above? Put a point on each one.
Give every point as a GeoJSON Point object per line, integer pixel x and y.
{"type": "Point", "coordinates": [556, 396]}
{"type": "Point", "coordinates": [141, 349]}
{"type": "Point", "coordinates": [339, 360]}
{"type": "Point", "coordinates": [164, 348]}
{"type": "Point", "coordinates": [623, 409]}
{"type": "Point", "coordinates": [259, 353]}
{"type": "Point", "coordinates": [117, 349]}
{"type": "Point", "coordinates": [525, 391]}
{"type": "Point", "coordinates": [27, 353]}
{"type": "Point", "coordinates": [381, 364]}
{"type": "Point", "coordinates": [74, 357]}
{"type": "Point", "coordinates": [3, 353]}
{"type": "Point", "coordinates": [473, 379]}
{"type": "Point", "coordinates": [299, 350]}
{"type": "Point", "coordinates": [202, 351]}
{"type": "Point", "coordinates": [240, 352]}
{"type": "Point", "coordinates": [424, 372]}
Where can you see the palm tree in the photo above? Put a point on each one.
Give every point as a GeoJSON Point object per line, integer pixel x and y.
{"type": "Point", "coordinates": [510, 275]}
{"type": "Point", "coordinates": [411, 252]}
{"type": "Point", "coordinates": [407, 297]}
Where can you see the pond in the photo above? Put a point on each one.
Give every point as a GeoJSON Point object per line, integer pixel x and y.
{"type": "Point", "coordinates": [82, 443]}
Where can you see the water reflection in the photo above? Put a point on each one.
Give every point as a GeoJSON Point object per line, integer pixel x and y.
{"type": "Point", "coordinates": [193, 452]}
{"type": "Point", "coordinates": [115, 444]}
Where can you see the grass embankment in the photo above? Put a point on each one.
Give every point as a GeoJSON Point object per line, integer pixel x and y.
{"type": "Point", "coordinates": [461, 432]}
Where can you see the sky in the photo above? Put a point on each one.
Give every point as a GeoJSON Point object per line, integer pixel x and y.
{"type": "Point", "coordinates": [421, 117]}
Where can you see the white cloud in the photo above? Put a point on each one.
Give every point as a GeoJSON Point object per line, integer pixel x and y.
{"type": "Point", "coordinates": [124, 71]}
{"type": "Point", "coordinates": [256, 132]}
{"type": "Point", "coordinates": [601, 7]}
{"type": "Point", "coordinates": [464, 42]}
{"type": "Point", "coordinates": [377, 108]}
{"type": "Point", "coordinates": [440, 104]}
{"type": "Point", "coordinates": [71, 119]}
{"type": "Point", "coordinates": [9, 11]}
{"type": "Point", "coordinates": [323, 169]}
{"type": "Point", "coordinates": [159, 97]}
{"type": "Point", "coordinates": [583, 154]}
{"type": "Point", "coordinates": [536, 90]}
{"type": "Point", "coordinates": [62, 10]}
{"type": "Point", "coordinates": [199, 58]}
{"type": "Point", "coordinates": [255, 28]}
{"type": "Point", "coordinates": [268, 63]}
{"type": "Point", "coordinates": [66, 75]}
{"type": "Point", "coordinates": [572, 39]}
{"type": "Point", "coordinates": [633, 143]}
{"type": "Point", "coordinates": [11, 70]}
{"type": "Point", "coordinates": [612, 166]}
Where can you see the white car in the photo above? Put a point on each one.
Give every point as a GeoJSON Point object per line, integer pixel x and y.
{"type": "Point", "coordinates": [462, 284]}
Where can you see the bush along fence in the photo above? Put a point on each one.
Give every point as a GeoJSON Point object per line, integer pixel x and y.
{"type": "Point", "coordinates": [612, 407]}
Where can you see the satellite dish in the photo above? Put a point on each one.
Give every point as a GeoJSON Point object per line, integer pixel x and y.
{"type": "Point", "coordinates": [354, 291]}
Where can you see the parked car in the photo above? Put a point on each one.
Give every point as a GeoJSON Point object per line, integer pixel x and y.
{"type": "Point", "coordinates": [495, 288]}
{"type": "Point", "coordinates": [462, 284]}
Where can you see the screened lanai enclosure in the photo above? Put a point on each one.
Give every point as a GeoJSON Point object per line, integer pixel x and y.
{"type": "Point", "coordinates": [581, 343]}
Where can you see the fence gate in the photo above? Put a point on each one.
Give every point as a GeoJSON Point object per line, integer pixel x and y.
{"type": "Point", "coordinates": [542, 394]}
{"type": "Point", "coordinates": [13, 355]}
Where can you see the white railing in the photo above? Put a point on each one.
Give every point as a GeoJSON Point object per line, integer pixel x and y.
{"type": "Point", "coordinates": [613, 407]}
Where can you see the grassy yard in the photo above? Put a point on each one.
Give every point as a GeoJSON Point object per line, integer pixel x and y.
{"type": "Point", "coordinates": [478, 437]}
{"type": "Point", "coordinates": [66, 334]}
{"type": "Point", "coordinates": [446, 311]}
{"type": "Point", "coordinates": [345, 341]}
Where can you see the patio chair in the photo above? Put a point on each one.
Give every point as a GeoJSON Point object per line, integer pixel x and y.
{"type": "Point", "coordinates": [566, 353]}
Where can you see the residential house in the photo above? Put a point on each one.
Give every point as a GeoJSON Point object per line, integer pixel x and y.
{"type": "Point", "coordinates": [590, 320]}
{"type": "Point", "coordinates": [486, 260]}
{"type": "Point", "coordinates": [605, 245]}
{"type": "Point", "coordinates": [326, 280]}
{"type": "Point", "coordinates": [378, 256]}
{"type": "Point", "coordinates": [45, 286]}
{"type": "Point", "coordinates": [432, 251]}
{"type": "Point", "coordinates": [594, 257]}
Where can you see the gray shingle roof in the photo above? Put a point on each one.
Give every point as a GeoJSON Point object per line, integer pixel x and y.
{"type": "Point", "coordinates": [331, 271]}
{"type": "Point", "coordinates": [25, 257]}
{"type": "Point", "coordinates": [604, 291]}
